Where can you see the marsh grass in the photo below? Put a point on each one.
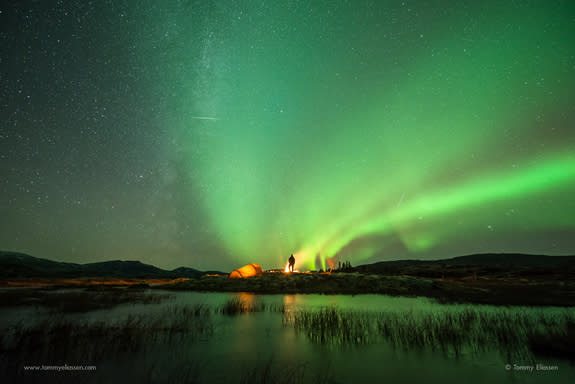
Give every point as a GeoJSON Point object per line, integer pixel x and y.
{"type": "Point", "coordinates": [518, 334]}
{"type": "Point", "coordinates": [558, 343]}
{"type": "Point", "coordinates": [66, 339]}
{"type": "Point", "coordinates": [332, 326]}
{"type": "Point", "coordinates": [78, 300]}
{"type": "Point", "coordinates": [515, 334]}
{"type": "Point", "coordinates": [238, 306]}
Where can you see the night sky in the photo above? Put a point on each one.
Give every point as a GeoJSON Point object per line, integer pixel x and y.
{"type": "Point", "coordinates": [212, 134]}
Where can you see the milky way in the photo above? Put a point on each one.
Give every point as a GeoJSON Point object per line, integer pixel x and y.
{"type": "Point", "coordinates": [213, 134]}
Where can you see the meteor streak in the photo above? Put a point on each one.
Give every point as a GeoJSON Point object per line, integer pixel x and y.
{"type": "Point", "coordinates": [204, 118]}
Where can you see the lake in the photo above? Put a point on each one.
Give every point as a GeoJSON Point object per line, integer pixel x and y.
{"type": "Point", "coordinates": [241, 337]}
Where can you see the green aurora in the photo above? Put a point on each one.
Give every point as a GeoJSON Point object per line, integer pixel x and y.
{"type": "Point", "coordinates": [332, 123]}
{"type": "Point", "coordinates": [213, 134]}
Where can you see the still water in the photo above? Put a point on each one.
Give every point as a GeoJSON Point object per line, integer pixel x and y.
{"type": "Point", "coordinates": [249, 338]}
{"type": "Point", "coordinates": [372, 339]}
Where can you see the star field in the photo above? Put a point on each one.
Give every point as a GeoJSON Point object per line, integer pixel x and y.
{"type": "Point", "coordinates": [212, 134]}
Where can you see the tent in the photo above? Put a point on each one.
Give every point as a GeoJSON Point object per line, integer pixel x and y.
{"type": "Point", "coordinates": [247, 271]}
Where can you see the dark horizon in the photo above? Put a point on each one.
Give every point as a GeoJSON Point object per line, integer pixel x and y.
{"type": "Point", "coordinates": [517, 257]}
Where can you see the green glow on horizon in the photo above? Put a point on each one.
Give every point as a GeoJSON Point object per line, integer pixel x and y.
{"type": "Point", "coordinates": [324, 133]}
{"type": "Point", "coordinates": [560, 171]}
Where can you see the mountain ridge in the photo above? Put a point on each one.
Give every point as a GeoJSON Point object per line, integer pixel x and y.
{"type": "Point", "coordinates": [21, 265]}
{"type": "Point", "coordinates": [491, 263]}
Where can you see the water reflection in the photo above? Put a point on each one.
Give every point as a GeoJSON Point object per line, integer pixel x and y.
{"type": "Point", "coordinates": [363, 338]}
{"type": "Point", "coordinates": [246, 298]}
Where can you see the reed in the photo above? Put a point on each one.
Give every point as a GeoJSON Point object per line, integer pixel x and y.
{"type": "Point", "coordinates": [78, 300]}
{"type": "Point", "coordinates": [237, 306]}
{"type": "Point", "coordinates": [72, 339]}
{"type": "Point", "coordinates": [515, 334]}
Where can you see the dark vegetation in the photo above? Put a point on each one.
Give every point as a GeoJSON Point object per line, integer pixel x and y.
{"type": "Point", "coordinates": [344, 266]}
{"type": "Point", "coordinates": [475, 267]}
{"type": "Point", "coordinates": [507, 279]}
{"type": "Point", "coordinates": [61, 340]}
{"type": "Point", "coordinates": [327, 283]}
{"type": "Point", "coordinates": [518, 334]}
{"type": "Point", "coordinates": [554, 343]}
{"type": "Point", "coordinates": [481, 291]}
{"type": "Point", "coordinates": [237, 306]}
{"type": "Point", "coordinates": [498, 279]}
{"type": "Point", "coordinates": [77, 300]}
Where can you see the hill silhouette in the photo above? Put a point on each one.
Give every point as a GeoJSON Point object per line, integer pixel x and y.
{"type": "Point", "coordinates": [20, 265]}
{"type": "Point", "coordinates": [510, 264]}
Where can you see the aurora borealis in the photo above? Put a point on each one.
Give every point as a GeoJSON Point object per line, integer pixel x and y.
{"type": "Point", "coordinates": [217, 133]}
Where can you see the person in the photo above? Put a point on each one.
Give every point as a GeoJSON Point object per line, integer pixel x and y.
{"type": "Point", "coordinates": [291, 263]}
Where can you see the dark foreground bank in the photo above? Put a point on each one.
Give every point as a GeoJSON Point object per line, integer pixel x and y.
{"type": "Point", "coordinates": [487, 290]}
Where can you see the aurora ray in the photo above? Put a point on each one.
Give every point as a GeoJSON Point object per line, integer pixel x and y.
{"type": "Point", "coordinates": [216, 134]}
{"type": "Point", "coordinates": [474, 113]}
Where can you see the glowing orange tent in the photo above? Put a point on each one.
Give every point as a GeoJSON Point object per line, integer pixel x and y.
{"type": "Point", "coordinates": [247, 271]}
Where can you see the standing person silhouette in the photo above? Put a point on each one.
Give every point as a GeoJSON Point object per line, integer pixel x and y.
{"type": "Point", "coordinates": [291, 263]}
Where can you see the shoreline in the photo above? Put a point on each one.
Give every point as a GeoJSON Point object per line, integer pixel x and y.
{"type": "Point", "coordinates": [486, 290]}
{"type": "Point", "coordinates": [491, 291]}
